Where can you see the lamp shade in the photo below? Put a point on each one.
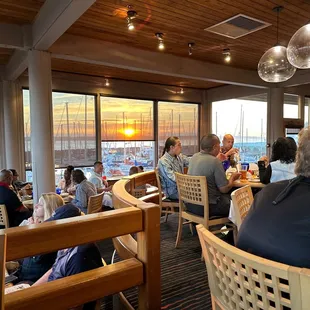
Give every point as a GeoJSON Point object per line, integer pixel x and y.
{"type": "Point", "coordinates": [298, 50]}
{"type": "Point", "coordinates": [274, 67]}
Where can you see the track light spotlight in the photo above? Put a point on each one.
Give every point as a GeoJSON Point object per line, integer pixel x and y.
{"type": "Point", "coordinates": [190, 48]}
{"type": "Point", "coordinates": [227, 56]}
{"type": "Point", "coordinates": [160, 38]}
{"type": "Point", "coordinates": [130, 16]}
{"type": "Point", "coordinates": [107, 83]}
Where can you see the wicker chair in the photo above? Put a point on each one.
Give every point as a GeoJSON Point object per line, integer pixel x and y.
{"type": "Point", "coordinates": [4, 220]}
{"type": "Point", "coordinates": [242, 199]}
{"type": "Point", "coordinates": [166, 205]}
{"type": "Point", "coordinates": [193, 189]}
{"type": "Point", "coordinates": [95, 203]}
{"type": "Point", "coordinates": [239, 280]}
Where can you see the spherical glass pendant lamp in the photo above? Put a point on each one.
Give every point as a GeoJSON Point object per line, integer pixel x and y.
{"type": "Point", "coordinates": [274, 67]}
{"type": "Point", "coordinates": [298, 50]}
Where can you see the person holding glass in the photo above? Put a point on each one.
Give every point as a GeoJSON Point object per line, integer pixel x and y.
{"type": "Point", "coordinates": [230, 153]}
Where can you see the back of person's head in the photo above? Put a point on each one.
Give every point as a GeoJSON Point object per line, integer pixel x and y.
{"type": "Point", "coordinates": [78, 176]}
{"type": "Point", "coordinates": [171, 141]}
{"type": "Point", "coordinates": [50, 202]}
{"type": "Point", "coordinates": [65, 211]}
{"type": "Point", "coordinates": [70, 168]}
{"type": "Point", "coordinates": [283, 150]}
{"type": "Point", "coordinates": [140, 168]}
{"type": "Point", "coordinates": [14, 172]}
{"type": "Point", "coordinates": [133, 170]}
{"type": "Point", "coordinates": [207, 142]}
{"type": "Point", "coordinates": [6, 176]}
{"type": "Point", "coordinates": [302, 166]}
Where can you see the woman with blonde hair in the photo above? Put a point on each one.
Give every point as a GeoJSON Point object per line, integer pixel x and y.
{"type": "Point", "coordinates": [44, 209]}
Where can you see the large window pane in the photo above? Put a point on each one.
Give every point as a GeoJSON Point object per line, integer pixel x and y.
{"type": "Point", "coordinates": [27, 132]}
{"type": "Point", "coordinates": [118, 156]}
{"type": "Point", "coordinates": [127, 133]}
{"type": "Point", "coordinates": [245, 118]}
{"type": "Point", "coordinates": [181, 120]}
{"type": "Point", "coordinates": [307, 104]}
{"type": "Point", "coordinates": [290, 108]}
{"type": "Point", "coordinates": [74, 129]}
{"type": "Point", "coordinates": [126, 119]}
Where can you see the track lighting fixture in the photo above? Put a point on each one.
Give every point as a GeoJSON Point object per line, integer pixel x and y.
{"type": "Point", "coordinates": [160, 38]}
{"type": "Point", "coordinates": [190, 48]}
{"type": "Point", "coordinates": [107, 83]}
{"type": "Point", "coordinates": [227, 56]}
{"type": "Point", "coordinates": [180, 91]}
{"type": "Point", "coordinates": [130, 16]}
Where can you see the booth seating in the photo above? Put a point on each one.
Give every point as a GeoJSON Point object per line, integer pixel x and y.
{"type": "Point", "coordinates": [142, 270]}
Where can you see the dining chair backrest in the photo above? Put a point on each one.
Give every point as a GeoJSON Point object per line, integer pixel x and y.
{"type": "Point", "coordinates": [4, 220]}
{"type": "Point", "coordinates": [193, 189]}
{"type": "Point", "coordinates": [160, 190]}
{"type": "Point", "coordinates": [139, 192]}
{"type": "Point", "coordinates": [242, 199]}
{"type": "Point", "coordinates": [239, 280]}
{"type": "Point", "coordinates": [95, 203]}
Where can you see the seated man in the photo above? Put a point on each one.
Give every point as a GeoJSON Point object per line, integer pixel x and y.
{"type": "Point", "coordinates": [228, 150]}
{"type": "Point", "coordinates": [100, 184]}
{"type": "Point", "coordinates": [205, 163]}
{"type": "Point", "coordinates": [277, 226]}
{"type": "Point", "coordinates": [17, 212]}
{"type": "Point", "coordinates": [84, 190]}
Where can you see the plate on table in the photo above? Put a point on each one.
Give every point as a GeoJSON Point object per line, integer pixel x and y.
{"type": "Point", "coordinates": [254, 180]}
{"type": "Point", "coordinates": [63, 195]}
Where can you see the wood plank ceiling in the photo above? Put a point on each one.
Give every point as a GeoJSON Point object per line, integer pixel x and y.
{"type": "Point", "coordinates": [184, 21]}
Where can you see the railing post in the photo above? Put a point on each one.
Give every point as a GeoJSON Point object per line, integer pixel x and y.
{"type": "Point", "coordinates": [148, 242]}
{"type": "Point", "coordinates": [2, 269]}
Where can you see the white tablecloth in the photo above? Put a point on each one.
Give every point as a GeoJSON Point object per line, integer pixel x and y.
{"type": "Point", "coordinates": [231, 215]}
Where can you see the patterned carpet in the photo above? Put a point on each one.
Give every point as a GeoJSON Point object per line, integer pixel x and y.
{"type": "Point", "coordinates": [184, 277]}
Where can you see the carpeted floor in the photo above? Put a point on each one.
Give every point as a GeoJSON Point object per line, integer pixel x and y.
{"type": "Point", "coordinates": [183, 274]}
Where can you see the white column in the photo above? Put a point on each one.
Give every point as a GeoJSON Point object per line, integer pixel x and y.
{"type": "Point", "coordinates": [301, 107]}
{"type": "Point", "coordinates": [41, 118]}
{"type": "Point", "coordinates": [13, 151]}
{"type": "Point", "coordinates": [275, 127]}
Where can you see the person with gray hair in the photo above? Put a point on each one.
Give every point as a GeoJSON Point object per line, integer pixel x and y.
{"type": "Point", "coordinates": [17, 212]}
{"type": "Point", "coordinates": [205, 163]}
{"type": "Point", "coordinates": [277, 226]}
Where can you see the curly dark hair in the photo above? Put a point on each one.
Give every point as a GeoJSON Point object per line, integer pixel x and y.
{"type": "Point", "coordinates": [284, 149]}
{"type": "Point", "coordinates": [78, 176]}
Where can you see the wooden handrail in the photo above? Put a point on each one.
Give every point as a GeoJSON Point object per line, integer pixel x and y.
{"type": "Point", "coordinates": [78, 289]}
{"type": "Point", "coordinates": [26, 241]}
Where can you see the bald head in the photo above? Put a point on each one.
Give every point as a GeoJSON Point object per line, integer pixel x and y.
{"type": "Point", "coordinates": [228, 142]}
{"type": "Point", "coordinates": [6, 176]}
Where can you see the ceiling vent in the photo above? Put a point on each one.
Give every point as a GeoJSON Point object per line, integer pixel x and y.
{"type": "Point", "coordinates": [238, 26]}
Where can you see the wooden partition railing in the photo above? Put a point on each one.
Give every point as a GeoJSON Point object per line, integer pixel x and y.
{"type": "Point", "coordinates": [127, 247]}
{"type": "Point", "coordinates": [142, 271]}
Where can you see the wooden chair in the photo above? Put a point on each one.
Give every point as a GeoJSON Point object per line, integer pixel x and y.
{"type": "Point", "coordinates": [95, 203]}
{"type": "Point", "coordinates": [242, 199]}
{"type": "Point", "coordinates": [138, 193]}
{"type": "Point", "coordinates": [4, 220]}
{"type": "Point", "coordinates": [166, 205]}
{"type": "Point", "coordinates": [193, 189]}
{"type": "Point", "coordinates": [239, 280]}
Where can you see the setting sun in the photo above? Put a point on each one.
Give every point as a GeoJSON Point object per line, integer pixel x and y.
{"type": "Point", "coordinates": [129, 132]}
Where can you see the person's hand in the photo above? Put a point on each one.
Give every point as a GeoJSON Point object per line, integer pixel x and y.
{"type": "Point", "coordinates": [232, 151]}
{"type": "Point", "coordinates": [105, 183]}
{"type": "Point", "coordinates": [265, 159]}
{"type": "Point", "coordinates": [31, 220]}
{"type": "Point", "coordinates": [70, 198]}
{"type": "Point", "coordinates": [235, 176]}
{"type": "Point", "coordinates": [221, 156]}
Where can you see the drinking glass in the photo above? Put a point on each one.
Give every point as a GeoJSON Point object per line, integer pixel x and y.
{"type": "Point", "coordinates": [243, 171]}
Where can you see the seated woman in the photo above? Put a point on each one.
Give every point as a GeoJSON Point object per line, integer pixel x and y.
{"type": "Point", "coordinates": [44, 209]}
{"type": "Point", "coordinates": [171, 161]}
{"type": "Point", "coordinates": [65, 184]}
{"type": "Point", "coordinates": [282, 163]}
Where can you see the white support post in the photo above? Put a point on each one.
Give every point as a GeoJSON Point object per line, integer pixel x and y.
{"type": "Point", "coordinates": [42, 144]}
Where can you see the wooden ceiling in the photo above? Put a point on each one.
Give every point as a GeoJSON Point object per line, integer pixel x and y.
{"type": "Point", "coordinates": [184, 21]}
{"type": "Point", "coordinates": [19, 11]}
{"type": "Point", "coordinates": [108, 72]}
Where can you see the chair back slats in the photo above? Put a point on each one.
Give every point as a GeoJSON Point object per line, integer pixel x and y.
{"type": "Point", "coordinates": [239, 280]}
{"type": "Point", "coordinates": [95, 203]}
{"type": "Point", "coordinates": [242, 199]}
{"type": "Point", "coordinates": [158, 182]}
{"type": "Point", "coordinates": [2, 269]}
{"type": "Point", "coordinates": [4, 220]}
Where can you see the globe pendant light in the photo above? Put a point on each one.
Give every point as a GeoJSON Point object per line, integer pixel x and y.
{"type": "Point", "coordinates": [298, 50]}
{"type": "Point", "coordinates": [274, 66]}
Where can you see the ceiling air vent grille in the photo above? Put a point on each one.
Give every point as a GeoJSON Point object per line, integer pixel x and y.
{"type": "Point", "coordinates": [238, 26]}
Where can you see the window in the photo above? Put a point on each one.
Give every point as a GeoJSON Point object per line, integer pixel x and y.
{"type": "Point", "coordinates": [245, 118]}
{"type": "Point", "coordinates": [27, 132]}
{"type": "Point", "coordinates": [127, 133]}
{"type": "Point", "coordinates": [181, 120]}
{"type": "Point", "coordinates": [290, 108]}
{"type": "Point", "coordinates": [74, 129]}
{"type": "Point", "coordinates": [307, 104]}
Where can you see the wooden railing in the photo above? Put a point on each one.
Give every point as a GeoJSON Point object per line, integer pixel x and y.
{"type": "Point", "coordinates": [142, 269]}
